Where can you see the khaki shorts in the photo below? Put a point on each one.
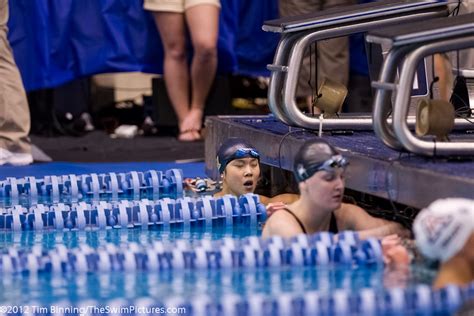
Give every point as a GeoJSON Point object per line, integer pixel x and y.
{"type": "Point", "coordinates": [178, 6]}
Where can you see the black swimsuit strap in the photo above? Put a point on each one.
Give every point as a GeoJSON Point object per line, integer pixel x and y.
{"type": "Point", "coordinates": [297, 219]}
{"type": "Point", "coordinates": [333, 224]}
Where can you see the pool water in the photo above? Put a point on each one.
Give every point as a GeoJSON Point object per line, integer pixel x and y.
{"type": "Point", "coordinates": [359, 286]}
{"type": "Point", "coordinates": [46, 287]}
{"type": "Point", "coordinates": [95, 238]}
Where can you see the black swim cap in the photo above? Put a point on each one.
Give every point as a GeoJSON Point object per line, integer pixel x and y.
{"type": "Point", "coordinates": [234, 148]}
{"type": "Point", "coordinates": [316, 155]}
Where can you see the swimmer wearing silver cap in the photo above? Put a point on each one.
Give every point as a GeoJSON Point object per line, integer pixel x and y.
{"type": "Point", "coordinates": [445, 231]}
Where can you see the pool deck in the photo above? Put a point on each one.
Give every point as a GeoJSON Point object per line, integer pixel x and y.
{"type": "Point", "coordinates": [374, 168]}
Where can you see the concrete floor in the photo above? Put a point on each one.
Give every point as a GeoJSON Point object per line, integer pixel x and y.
{"type": "Point", "coordinates": [97, 146]}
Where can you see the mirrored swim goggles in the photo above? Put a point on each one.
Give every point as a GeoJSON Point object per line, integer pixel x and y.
{"type": "Point", "coordinates": [239, 154]}
{"type": "Point", "coordinates": [245, 153]}
{"type": "Point", "coordinates": [302, 173]}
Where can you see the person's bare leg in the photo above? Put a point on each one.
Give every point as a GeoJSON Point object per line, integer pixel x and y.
{"type": "Point", "coordinates": [203, 22]}
{"type": "Point", "coordinates": [443, 70]}
{"type": "Point", "coordinates": [172, 30]}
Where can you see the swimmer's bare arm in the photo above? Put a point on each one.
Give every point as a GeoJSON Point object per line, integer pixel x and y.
{"type": "Point", "coordinates": [355, 218]}
{"type": "Point", "coordinates": [277, 202]}
{"type": "Point", "coordinates": [286, 198]}
{"type": "Point", "coordinates": [281, 224]}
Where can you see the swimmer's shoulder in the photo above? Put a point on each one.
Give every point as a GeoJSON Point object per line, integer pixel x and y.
{"type": "Point", "coordinates": [286, 198]}
{"type": "Point", "coordinates": [348, 215]}
{"type": "Point", "coordinates": [263, 199]}
{"type": "Point", "coordinates": [218, 194]}
{"type": "Point", "coordinates": [281, 223]}
{"type": "Point", "coordinates": [456, 270]}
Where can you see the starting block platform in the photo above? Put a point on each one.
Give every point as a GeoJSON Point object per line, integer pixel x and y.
{"type": "Point", "coordinates": [374, 168]}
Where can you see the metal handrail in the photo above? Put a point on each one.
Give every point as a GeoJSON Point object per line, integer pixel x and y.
{"type": "Point", "coordinates": [291, 49]}
{"type": "Point", "coordinates": [384, 89]}
{"type": "Point", "coordinates": [402, 100]}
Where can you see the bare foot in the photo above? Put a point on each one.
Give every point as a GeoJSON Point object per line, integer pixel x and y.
{"type": "Point", "coordinates": [189, 136]}
{"type": "Point", "coordinates": [193, 120]}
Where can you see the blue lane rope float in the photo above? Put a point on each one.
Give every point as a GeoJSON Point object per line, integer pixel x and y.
{"type": "Point", "coordinates": [181, 254]}
{"type": "Point", "coordinates": [366, 301]}
{"type": "Point", "coordinates": [71, 188]}
{"type": "Point", "coordinates": [185, 211]}
{"type": "Point", "coordinates": [175, 186]}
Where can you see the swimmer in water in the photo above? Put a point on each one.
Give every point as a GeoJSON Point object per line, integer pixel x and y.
{"type": "Point", "coordinates": [239, 166]}
{"type": "Point", "coordinates": [319, 170]}
{"type": "Point", "coordinates": [445, 231]}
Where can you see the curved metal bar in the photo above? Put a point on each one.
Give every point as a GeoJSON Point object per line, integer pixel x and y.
{"type": "Point", "coordinates": [291, 112]}
{"type": "Point", "coordinates": [382, 99]}
{"type": "Point", "coordinates": [277, 72]}
{"type": "Point", "coordinates": [350, 14]}
{"type": "Point", "coordinates": [406, 138]}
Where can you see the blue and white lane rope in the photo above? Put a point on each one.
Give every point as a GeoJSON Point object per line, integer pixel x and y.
{"type": "Point", "coordinates": [73, 188]}
{"type": "Point", "coordinates": [218, 254]}
{"type": "Point", "coordinates": [186, 211]}
{"type": "Point", "coordinates": [415, 300]}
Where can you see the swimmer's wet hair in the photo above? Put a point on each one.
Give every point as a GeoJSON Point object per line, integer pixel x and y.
{"type": "Point", "coordinates": [314, 153]}
{"type": "Point", "coordinates": [234, 148]}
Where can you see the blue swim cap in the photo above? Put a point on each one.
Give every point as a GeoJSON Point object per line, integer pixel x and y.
{"type": "Point", "coordinates": [316, 155]}
{"type": "Point", "coordinates": [234, 148]}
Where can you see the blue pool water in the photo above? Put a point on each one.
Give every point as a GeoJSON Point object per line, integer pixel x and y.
{"type": "Point", "coordinates": [41, 266]}
{"type": "Point", "coordinates": [45, 288]}
{"type": "Point", "coordinates": [71, 239]}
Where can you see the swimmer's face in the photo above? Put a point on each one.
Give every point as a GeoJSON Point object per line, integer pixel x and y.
{"type": "Point", "coordinates": [240, 176]}
{"type": "Point", "coordinates": [325, 189]}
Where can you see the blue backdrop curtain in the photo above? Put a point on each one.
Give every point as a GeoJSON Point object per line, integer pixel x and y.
{"type": "Point", "coordinates": [55, 41]}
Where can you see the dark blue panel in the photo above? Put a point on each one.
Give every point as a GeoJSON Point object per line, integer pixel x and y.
{"type": "Point", "coordinates": [256, 48]}
{"type": "Point", "coordinates": [56, 41]}
{"type": "Point", "coordinates": [358, 57]}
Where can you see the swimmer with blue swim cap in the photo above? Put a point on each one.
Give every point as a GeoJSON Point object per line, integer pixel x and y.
{"type": "Point", "coordinates": [320, 171]}
{"type": "Point", "coordinates": [234, 148]}
{"type": "Point", "coordinates": [238, 162]}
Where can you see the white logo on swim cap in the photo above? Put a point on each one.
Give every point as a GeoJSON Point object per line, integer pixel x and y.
{"type": "Point", "coordinates": [441, 229]}
{"type": "Point", "coordinates": [301, 170]}
{"type": "Point", "coordinates": [218, 163]}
